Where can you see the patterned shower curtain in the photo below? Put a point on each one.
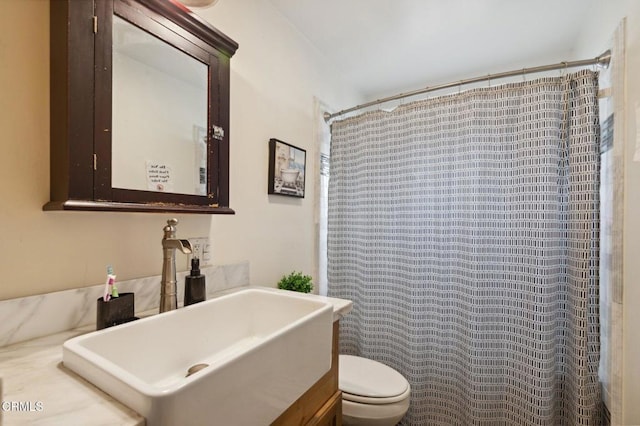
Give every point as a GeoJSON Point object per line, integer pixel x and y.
{"type": "Point", "coordinates": [465, 230]}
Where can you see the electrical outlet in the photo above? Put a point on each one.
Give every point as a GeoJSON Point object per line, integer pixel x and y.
{"type": "Point", "coordinates": [200, 249]}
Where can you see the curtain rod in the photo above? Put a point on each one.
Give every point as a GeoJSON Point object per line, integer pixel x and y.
{"type": "Point", "coordinates": [602, 60]}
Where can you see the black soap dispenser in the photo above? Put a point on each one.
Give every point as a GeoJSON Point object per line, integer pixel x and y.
{"type": "Point", "coordinates": [194, 284]}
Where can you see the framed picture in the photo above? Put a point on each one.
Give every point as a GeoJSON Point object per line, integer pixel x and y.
{"type": "Point", "coordinates": [287, 165]}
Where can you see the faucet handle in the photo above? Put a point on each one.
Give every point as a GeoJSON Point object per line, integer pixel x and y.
{"type": "Point", "coordinates": [170, 229]}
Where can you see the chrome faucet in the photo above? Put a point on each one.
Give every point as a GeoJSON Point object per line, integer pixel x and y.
{"type": "Point", "coordinates": [168, 287]}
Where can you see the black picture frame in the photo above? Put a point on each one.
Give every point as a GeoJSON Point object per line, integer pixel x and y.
{"type": "Point", "coordinates": [287, 169]}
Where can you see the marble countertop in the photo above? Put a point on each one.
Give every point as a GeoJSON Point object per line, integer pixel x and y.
{"type": "Point", "coordinates": [37, 390]}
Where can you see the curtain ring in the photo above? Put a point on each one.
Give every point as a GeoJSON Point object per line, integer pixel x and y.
{"type": "Point", "coordinates": [563, 71]}
{"type": "Point", "coordinates": [489, 79]}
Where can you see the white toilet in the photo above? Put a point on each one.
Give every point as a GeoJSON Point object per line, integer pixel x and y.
{"type": "Point", "coordinates": [373, 394]}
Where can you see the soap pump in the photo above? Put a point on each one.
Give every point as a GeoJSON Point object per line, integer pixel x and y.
{"type": "Point", "coordinates": [194, 284]}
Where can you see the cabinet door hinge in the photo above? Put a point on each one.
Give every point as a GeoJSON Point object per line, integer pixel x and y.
{"type": "Point", "coordinates": [95, 24]}
{"type": "Point", "coordinates": [95, 162]}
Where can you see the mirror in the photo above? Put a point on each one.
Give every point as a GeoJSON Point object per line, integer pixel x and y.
{"type": "Point", "coordinates": [159, 115]}
{"type": "Point", "coordinates": [140, 110]}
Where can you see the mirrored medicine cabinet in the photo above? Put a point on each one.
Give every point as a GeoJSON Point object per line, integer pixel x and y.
{"type": "Point", "coordinates": [139, 108]}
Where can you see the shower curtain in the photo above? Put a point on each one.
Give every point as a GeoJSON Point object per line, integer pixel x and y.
{"type": "Point", "coordinates": [464, 229]}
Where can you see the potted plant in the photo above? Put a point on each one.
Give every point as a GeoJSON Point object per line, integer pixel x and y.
{"type": "Point", "coordinates": [295, 281]}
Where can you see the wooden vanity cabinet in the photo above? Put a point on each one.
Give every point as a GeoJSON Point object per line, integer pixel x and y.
{"type": "Point", "coordinates": [321, 405]}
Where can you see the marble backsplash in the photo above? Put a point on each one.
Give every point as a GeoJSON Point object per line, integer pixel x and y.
{"type": "Point", "coordinates": [36, 316]}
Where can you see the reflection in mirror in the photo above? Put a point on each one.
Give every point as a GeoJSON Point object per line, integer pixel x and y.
{"type": "Point", "coordinates": [159, 113]}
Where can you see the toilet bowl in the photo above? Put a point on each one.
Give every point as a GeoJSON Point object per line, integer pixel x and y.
{"type": "Point", "coordinates": [373, 394]}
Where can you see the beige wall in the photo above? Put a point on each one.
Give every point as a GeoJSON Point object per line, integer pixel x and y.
{"type": "Point", "coordinates": [631, 300]}
{"type": "Point", "coordinates": [274, 76]}
{"type": "Point", "coordinates": [598, 29]}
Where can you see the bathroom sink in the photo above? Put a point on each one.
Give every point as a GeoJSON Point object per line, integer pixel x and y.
{"type": "Point", "coordinates": [262, 348]}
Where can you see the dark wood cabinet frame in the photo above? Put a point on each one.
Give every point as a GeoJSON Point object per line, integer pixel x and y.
{"type": "Point", "coordinates": [81, 70]}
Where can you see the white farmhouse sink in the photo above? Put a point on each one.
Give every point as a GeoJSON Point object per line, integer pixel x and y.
{"type": "Point", "coordinates": [264, 348]}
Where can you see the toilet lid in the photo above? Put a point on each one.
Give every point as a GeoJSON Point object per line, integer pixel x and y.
{"type": "Point", "coordinates": [370, 379]}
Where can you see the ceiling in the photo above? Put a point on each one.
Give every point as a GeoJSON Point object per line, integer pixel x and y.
{"type": "Point", "coordinates": [383, 47]}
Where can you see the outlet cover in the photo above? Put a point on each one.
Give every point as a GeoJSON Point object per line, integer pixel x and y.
{"type": "Point", "coordinates": [206, 252]}
{"type": "Point", "coordinates": [200, 249]}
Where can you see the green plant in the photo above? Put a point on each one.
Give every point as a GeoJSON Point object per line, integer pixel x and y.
{"type": "Point", "coordinates": [295, 281]}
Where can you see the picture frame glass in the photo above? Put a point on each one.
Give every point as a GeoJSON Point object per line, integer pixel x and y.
{"type": "Point", "coordinates": [287, 164]}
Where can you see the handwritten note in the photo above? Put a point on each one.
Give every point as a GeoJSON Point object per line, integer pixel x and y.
{"type": "Point", "coordinates": [159, 177]}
